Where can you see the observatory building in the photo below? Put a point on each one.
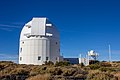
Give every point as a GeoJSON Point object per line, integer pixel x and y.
{"type": "Point", "coordinates": [91, 56]}
{"type": "Point", "coordinates": [39, 42]}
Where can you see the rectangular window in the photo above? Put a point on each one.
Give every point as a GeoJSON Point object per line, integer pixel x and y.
{"type": "Point", "coordinates": [56, 58]}
{"type": "Point", "coordinates": [20, 49]}
{"type": "Point", "coordinates": [56, 42]}
{"type": "Point", "coordinates": [20, 58]}
{"type": "Point", "coordinates": [39, 57]}
{"type": "Point", "coordinates": [46, 58]}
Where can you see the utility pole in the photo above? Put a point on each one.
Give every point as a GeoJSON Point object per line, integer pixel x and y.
{"type": "Point", "coordinates": [109, 53]}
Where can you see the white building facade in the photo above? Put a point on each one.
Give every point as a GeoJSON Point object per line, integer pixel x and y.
{"type": "Point", "coordinates": [39, 42]}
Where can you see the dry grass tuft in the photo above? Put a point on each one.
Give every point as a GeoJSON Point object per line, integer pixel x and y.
{"type": "Point", "coordinates": [41, 77]}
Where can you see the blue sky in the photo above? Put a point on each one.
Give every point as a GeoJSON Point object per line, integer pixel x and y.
{"type": "Point", "coordinates": [83, 25]}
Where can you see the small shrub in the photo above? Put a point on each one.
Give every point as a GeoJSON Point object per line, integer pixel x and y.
{"type": "Point", "coordinates": [105, 64]}
{"type": "Point", "coordinates": [20, 71]}
{"type": "Point", "coordinates": [55, 71]}
{"type": "Point", "coordinates": [49, 63]}
{"type": "Point", "coordinates": [82, 65]}
{"type": "Point", "coordinates": [69, 72]}
{"type": "Point", "coordinates": [101, 76]}
{"type": "Point", "coordinates": [94, 66]}
{"type": "Point", "coordinates": [86, 68]}
{"type": "Point", "coordinates": [39, 69]}
{"type": "Point", "coordinates": [58, 77]}
{"type": "Point", "coordinates": [80, 76]}
{"type": "Point", "coordinates": [109, 69]}
{"type": "Point", "coordinates": [93, 61]}
{"type": "Point", "coordinates": [41, 77]}
{"type": "Point", "coordinates": [62, 63]}
{"type": "Point", "coordinates": [44, 68]}
{"type": "Point", "coordinates": [90, 76]}
{"type": "Point", "coordinates": [103, 69]}
{"type": "Point", "coordinates": [1, 67]}
{"type": "Point", "coordinates": [33, 73]}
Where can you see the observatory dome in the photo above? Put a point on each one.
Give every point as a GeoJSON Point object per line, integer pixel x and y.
{"type": "Point", "coordinates": [92, 53]}
{"type": "Point", "coordinates": [39, 42]}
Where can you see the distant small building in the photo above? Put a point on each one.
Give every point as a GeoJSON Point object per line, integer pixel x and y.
{"type": "Point", "coordinates": [72, 60]}
{"type": "Point", "coordinates": [83, 60]}
{"type": "Point", "coordinates": [91, 56]}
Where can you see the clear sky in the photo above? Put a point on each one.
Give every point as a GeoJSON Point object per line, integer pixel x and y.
{"type": "Point", "coordinates": [83, 25]}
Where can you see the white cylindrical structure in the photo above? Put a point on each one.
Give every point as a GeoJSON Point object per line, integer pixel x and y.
{"type": "Point", "coordinates": [39, 42]}
{"type": "Point", "coordinates": [80, 59]}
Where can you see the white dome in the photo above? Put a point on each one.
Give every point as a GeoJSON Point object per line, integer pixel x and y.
{"type": "Point", "coordinates": [91, 53]}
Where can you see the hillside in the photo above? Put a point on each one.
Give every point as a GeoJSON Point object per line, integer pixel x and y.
{"type": "Point", "coordinates": [59, 71]}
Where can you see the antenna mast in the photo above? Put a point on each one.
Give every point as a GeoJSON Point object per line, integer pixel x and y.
{"type": "Point", "coordinates": [109, 53]}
